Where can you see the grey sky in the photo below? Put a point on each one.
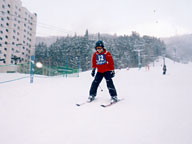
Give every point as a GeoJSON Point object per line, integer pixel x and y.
{"type": "Point", "coordinates": [160, 18]}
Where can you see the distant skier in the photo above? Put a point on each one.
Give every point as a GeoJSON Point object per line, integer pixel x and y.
{"type": "Point", "coordinates": [164, 69]}
{"type": "Point", "coordinates": [103, 61]}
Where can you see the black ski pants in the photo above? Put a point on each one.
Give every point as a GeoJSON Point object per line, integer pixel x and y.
{"type": "Point", "coordinates": [98, 78]}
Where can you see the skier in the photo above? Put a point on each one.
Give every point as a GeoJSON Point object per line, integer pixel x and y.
{"type": "Point", "coordinates": [103, 61]}
{"type": "Point", "coordinates": [164, 69]}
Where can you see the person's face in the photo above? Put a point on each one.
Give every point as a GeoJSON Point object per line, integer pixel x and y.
{"type": "Point", "coordinates": [99, 49]}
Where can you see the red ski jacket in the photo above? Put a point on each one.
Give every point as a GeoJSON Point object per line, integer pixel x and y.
{"type": "Point", "coordinates": [103, 61]}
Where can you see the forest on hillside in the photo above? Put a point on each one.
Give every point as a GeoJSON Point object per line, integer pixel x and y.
{"type": "Point", "coordinates": [76, 51]}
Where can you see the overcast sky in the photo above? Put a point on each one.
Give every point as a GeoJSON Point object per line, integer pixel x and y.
{"type": "Point", "coordinates": [161, 18]}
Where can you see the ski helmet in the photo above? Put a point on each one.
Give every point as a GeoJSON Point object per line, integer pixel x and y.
{"type": "Point", "coordinates": [99, 44]}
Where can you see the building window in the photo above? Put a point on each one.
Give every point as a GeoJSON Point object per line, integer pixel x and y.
{"type": "Point", "coordinates": [2, 12]}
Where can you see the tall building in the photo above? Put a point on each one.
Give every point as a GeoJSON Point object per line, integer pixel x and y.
{"type": "Point", "coordinates": [17, 34]}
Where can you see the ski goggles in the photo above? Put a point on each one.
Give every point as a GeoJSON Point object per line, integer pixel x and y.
{"type": "Point", "coordinates": [99, 48]}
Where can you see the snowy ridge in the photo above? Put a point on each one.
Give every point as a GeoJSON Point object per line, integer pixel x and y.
{"type": "Point", "coordinates": [156, 110]}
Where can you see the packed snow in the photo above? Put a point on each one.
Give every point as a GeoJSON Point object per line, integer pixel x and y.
{"type": "Point", "coordinates": [157, 108]}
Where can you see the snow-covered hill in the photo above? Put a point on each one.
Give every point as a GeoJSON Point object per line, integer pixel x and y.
{"type": "Point", "coordinates": [179, 47]}
{"type": "Point", "coordinates": [156, 110]}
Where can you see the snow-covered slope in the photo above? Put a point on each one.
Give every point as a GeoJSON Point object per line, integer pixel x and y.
{"type": "Point", "coordinates": [156, 110]}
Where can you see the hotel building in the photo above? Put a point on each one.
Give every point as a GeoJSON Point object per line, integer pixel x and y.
{"type": "Point", "coordinates": [17, 34]}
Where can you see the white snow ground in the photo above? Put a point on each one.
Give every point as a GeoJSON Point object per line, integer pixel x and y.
{"type": "Point", "coordinates": [157, 109]}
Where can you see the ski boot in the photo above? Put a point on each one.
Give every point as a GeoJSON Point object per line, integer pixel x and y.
{"type": "Point", "coordinates": [114, 99]}
{"type": "Point", "coordinates": [91, 98]}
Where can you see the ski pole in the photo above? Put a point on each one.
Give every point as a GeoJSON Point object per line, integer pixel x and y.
{"type": "Point", "coordinates": [100, 88]}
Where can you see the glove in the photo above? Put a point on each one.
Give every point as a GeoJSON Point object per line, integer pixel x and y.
{"type": "Point", "coordinates": [112, 73]}
{"type": "Point", "coordinates": [93, 72]}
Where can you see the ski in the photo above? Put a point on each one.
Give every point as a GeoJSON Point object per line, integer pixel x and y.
{"type": "Point", "coordinates": [102, 105]}
{"type": "Point", "coordinates": [80, 104]}
{"type": "Point", "coordinates": [110, 104]}
{"type": "Point", "coordinates": [83, 103]}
